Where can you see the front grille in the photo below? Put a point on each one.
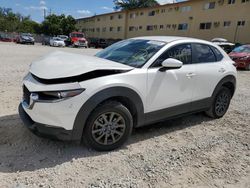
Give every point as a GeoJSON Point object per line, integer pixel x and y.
{"type": "Point", "coordinates": [26, 95]}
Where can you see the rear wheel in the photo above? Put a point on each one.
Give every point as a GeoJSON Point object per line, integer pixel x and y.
{"type": "Point", "coordinates": [248, 67]}
{"type": "Point", "coordinates": [108, 127]}
{"type": "Point", "coordinates": [220, 103]}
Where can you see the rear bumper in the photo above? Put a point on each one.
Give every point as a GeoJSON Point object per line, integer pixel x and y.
{"type": "Point", "coordinates": [43, 130]}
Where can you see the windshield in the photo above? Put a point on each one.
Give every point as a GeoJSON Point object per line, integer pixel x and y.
{"type": "Point", "coordinates": [242, 49]}
{"type": "Point", "coordinates": [132, 52]}
{"type": "Point", "coordinates": [26, 34]}
{"type": "Point", "coordinates": [78, 35]}
{"type": "Point", "coordinates": [57, 39]}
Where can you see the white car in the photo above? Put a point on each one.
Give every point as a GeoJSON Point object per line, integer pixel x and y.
{"type": "Point", "coordinates": [57, 42]}
{"type": "Point", "coordinates": [135, 82]}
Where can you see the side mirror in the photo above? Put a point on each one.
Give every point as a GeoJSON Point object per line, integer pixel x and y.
{"type": "Point", "coordinates": [171, 63]}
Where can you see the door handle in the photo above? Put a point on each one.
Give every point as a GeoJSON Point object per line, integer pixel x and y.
{"type": "Point", "coordinates": [190, 74]}
{"type": "Point", "coordinates": [222, 70]}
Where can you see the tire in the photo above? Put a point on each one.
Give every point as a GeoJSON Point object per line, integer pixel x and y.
{"type": "Point", "coordinates": [248, 67]}
{"type": "Point", "coordinates": [100, 134]}
{"type": "Point", "coordinates": [220, 103]}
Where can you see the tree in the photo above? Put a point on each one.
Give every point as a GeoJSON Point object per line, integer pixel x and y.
{"type": "Point", "coordinates": [58, 25]}
{"type": "Point", "coordinates": [15, 22]}
{"type": "Point", "coordinates": [133, 4]}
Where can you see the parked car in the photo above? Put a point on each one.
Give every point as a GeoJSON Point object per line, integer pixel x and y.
{"type": "Point", "coordinates": [63, 37]}
{"type": "Point", "coordinates": [77, 39]}
{"type": "Point", "coordinates": [5, 38]}
{"type": "Point", "coordinates": [241, 56]}
{"type": "Point", "coordinates": [57, 42]}
{"type": "Point", "coordinates": [98, 43]}
{"type": "Point", "coordinates": [224, 44]}
{"type": "Point", "coordinates": [135, 82]}
{"type": "Point", "coordinates": [46, 40]}
{"type": "Point", "coordinates": [25, 38]}
{"type": "Point", "coordinates": [101, 43]}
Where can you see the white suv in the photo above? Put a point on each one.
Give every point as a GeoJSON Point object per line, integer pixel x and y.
{"type": "Point", "coordinates": [135, 82]}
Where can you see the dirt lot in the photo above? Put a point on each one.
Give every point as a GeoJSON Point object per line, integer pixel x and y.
{"type": "Point", "coordinates": [193, 151]}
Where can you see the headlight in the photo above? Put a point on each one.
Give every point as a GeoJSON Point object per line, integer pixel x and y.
{"type": "Point", "coordinates": [58, 95]}
{"type": "Point", "coordinates": [244, 58]}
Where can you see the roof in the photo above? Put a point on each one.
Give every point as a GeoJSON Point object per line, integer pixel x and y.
{"type": "Point", "coordinates": [166, 39]}
{"type": "Point", "coordinates": [136, 9]}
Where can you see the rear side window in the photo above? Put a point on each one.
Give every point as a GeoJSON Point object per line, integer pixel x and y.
{"type": "Point", "coordinates": [217, 53]}
{"type": "Point", "coordinates": [203, 54]}
{"type": "Point", "coordinates": [182, 52]}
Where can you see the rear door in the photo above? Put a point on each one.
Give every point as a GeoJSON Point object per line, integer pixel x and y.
{"type": "Point", "coordinates": [209, 70]}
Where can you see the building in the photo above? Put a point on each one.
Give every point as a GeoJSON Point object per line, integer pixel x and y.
{"type": "Point", "coordinates": [205, 19]}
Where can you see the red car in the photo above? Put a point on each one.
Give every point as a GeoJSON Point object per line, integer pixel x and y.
{"type": "Point", "coordinates": [78, 39]}
{"type": "Point", "coordinates": [241, 56]}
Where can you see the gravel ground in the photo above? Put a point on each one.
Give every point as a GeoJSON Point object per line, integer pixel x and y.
{"type": "Point", "coordinates": [193, 151]}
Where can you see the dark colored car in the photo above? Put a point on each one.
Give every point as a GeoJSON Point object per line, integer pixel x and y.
{"type": "Point", "coordinates": [46, 40]}
{"type": "Point", "coordinates": [25, 38]}
{"type": "Point", "coordinates": [241, 56]}
{"type": "Point", "coordinates": [101, 43]}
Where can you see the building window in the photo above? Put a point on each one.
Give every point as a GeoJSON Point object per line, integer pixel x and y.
{"type": "Point", "coordinates": [111, 17]}
{"type": "Point", "coordinates": [210, 5]}
{"type": "Point", "coordinates": [151, 13]}
{"type": "Point", "coordinates": [98, 30]}
{"type": "Point", "coordinates": [183, 26]}
{"type": "Point", "coordinates": [111, 29]}
{"type": "Point", "coordinates": [142, 13]}
{"type": "Point", "coordinates": [140, 27]}
{"type": "Point", "coordinates": [150, 28]}
{"type": "Point", "coordinates": [204, 26]}
{"type": "Point", "coordinates": [231, 2]}
{"type": "Point", "coordinates": [163, 10]}
{"type": "Point", "coordinates": [161, 27]}
{"type": "Point", "coordinates": [104, 29]}
{"type": "Point", "coordinates": [244, 1]}
{"type": "Point", "coordinates": [132, 15]}
{"type": "Point", "coordinates": [168, 26]}
{"type": "Point", "coordinates": [119, 29]}
{"type": "Point", "coordinates": [227, 23]}
{"type": "Point", "coordinates": [119, 16]}
{"type": "Point", "coordinates": [241, 23]}
{"type": "Point", "coordinates": [98, 19]}
{"type": "Point", "coordinates": [132, 28]}
{"type": "Point", "coordinates": [186, 9]}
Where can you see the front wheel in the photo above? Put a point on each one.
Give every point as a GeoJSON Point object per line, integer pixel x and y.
{"type": "Point", "coordinates": [220, 103]}
{"type": "Point", "coordinates": [108, 127]}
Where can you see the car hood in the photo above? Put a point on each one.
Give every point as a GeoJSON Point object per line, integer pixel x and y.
{"type": "Point", "coordinates": [235, 54]}
{"type": "Point", "coordinates": [64, 65]}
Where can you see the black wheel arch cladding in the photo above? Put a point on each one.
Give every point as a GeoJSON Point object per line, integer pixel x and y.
{"type": "Point", "coordinates": [100, 97]}
{"type": "Point", "coordinates": [229, 82]}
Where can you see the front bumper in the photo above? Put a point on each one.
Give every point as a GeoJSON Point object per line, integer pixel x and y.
{"type": "Point", "coordinates": [242, 64]}
{"type": "Point", "coordinates": [44, 130]}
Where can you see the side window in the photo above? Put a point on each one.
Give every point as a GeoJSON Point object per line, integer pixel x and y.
{"type": "Point", "coordinates": [217, 53]}
{"type": "Point", "coordinates": [181, 52]}
{"type": "Point", "coordinates": [203, 54]}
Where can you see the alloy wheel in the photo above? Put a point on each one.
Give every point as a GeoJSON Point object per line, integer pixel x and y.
{"type": "Point", "coordinates": [108, 128]}
{"type": "Point", "coordinates": [222, 103]}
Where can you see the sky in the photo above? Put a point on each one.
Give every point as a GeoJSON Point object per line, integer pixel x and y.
{"type": "Point", "coordinates": [76, 8]}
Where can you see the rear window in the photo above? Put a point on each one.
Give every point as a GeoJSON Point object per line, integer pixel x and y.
{"type": "Point", "coordinates": [203, 54]}
{"type": "Point", "coordinates": [217, 53]}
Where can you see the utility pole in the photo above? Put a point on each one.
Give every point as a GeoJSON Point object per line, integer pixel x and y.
{"type": "Point", "coordinates": [44, 13]}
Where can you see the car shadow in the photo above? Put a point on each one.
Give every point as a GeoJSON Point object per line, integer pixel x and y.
{"type": "Point", "coordinates": [20, 150]}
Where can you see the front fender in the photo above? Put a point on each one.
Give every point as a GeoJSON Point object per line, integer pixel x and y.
{"type": "Point", "coordinates": [98, 98]}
